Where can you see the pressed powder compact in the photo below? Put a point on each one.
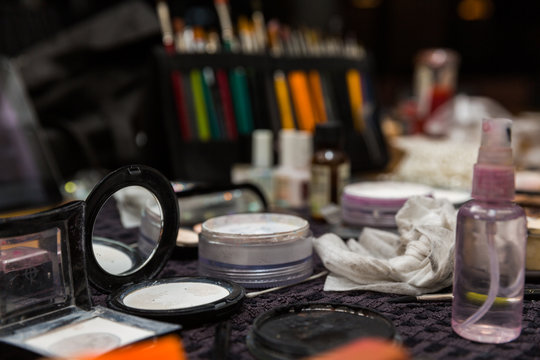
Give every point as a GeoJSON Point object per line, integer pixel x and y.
{"type": "Point", "coordinates": [48, 259]}
{"type": "Point", "coordinates": [256, 250]}
{"type": "Point", "coordinates": [189, 300]}
{"type": "Point", "coordinates": [153, 235]}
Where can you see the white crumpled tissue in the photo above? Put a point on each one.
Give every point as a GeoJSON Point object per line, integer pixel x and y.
{"type": "Point", "coordinates": [417, 261]}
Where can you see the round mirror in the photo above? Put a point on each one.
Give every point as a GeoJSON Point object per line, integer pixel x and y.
{"type": "Point", "coordinates": [127, 230]}
{"type": "Point", "coordinates": [131, 227]}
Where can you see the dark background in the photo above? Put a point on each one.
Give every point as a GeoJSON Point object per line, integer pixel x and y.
{"type": "Point", "coordinates": [500, 50]}
{"type": "Point", "coordinates": [498, 42]}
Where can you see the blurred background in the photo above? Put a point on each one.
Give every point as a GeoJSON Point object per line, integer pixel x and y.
{"type": "Point", "coordinates": [86, 65]}
{"type": "Point", "coordinates": [498, 40]}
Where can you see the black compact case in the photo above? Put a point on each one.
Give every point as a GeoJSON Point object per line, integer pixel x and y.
{"type": "Point", "coordinates": [118, 286]}
{"type": "Point", "coordinates": [48, 260]}
{"type": "Point", "coordinates": [160, 188]}
{"type": "Point", "coordinates": [49, 246]}
{"type": "Point", "coordinates": [188, 316]}
{"type": "Point", "coordinates": [303, 330]}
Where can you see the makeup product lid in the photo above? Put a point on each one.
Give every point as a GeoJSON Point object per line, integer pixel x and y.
{"type": "Point", "coordinates": [298, 331]}
{"type": "Point", "coordinates": [383, 194]}
{"type": "Point", "coordinates": [45, 299]}
{"type": "Point", "coordinates": [120, 190]}
{"type": "Point", "coordinates": [133, 217]}
{"type": "Point", "coordinates": [40, 256]}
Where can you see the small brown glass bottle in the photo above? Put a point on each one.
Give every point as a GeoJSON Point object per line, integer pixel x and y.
{"type": "Point", "coordinates": [330, 168]}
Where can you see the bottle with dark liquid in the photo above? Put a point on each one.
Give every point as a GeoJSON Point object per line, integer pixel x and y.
{"type": "Point", "coordinates": [330, 168]}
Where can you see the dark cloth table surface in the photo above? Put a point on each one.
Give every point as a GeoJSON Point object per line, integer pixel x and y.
{"type": "Point", "coordinates": [424, 327]}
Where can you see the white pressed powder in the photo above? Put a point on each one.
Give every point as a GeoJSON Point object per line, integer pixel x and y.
{"type": "Point", "coordinates": [94, 336]}
{"type": "Point", "coordinates": [111, 259]}
{"type": "Point", "coordinates": [172, 296]}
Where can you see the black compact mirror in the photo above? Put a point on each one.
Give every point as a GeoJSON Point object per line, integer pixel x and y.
{"type": "Point", "coordinates": [132, 224]}
{"type": "Point", "coordinates": [131, 227]}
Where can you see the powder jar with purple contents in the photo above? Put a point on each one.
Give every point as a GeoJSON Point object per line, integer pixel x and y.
{"type": "Point", "coordinates": [256, 250]}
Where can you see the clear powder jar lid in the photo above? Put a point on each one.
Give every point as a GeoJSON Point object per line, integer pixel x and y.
{"type": "Point", "coordinates": [251, 229]}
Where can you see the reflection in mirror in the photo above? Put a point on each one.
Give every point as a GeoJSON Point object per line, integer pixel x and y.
{"type": "Point", "coordinates": [127, 230]}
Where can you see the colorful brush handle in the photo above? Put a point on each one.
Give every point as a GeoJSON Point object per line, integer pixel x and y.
{"type": "Point", "coordinates": [203, 125]}
{"type": "Point", "coordinates": [241, 101]}
{"type": "Point", "coordinates": [227, 104]}
{"type": "Point", "coordinates": [283, 100]}
{"type": "Point", "coordinates": [183, 118]}
{"type": "Point", "coordinates": [303, 106]}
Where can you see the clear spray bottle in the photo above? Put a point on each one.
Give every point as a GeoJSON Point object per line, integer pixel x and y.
{"type": "Point", "coordinates": [491, 233]}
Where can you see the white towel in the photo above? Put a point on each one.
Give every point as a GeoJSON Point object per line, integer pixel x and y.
{"type": "Point", "coordinates": [419, 260]}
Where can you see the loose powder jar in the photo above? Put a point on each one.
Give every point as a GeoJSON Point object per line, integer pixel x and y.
{"type": "Point", "coordinates": [376, 203]}
{"type": "Point", "coordinates": [256, 250]}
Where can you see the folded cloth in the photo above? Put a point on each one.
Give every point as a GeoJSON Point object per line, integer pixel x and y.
{"type": "Point", "coordinates": [419, 260]}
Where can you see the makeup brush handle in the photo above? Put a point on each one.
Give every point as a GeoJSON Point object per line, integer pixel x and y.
{"type": "Point", "coordinates": [312, 277]}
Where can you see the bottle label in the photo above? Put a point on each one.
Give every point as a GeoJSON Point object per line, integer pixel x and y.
{"type": "Point", "coordinates": [281, 191]}
{"type": "Point", "coordinates": [290, 191]}
{"type": "Point", "coordinates": [343, 177]}
{"type": "Point", "coordinates": [321, 188]}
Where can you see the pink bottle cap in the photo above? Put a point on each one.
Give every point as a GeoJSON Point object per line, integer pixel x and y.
{"type": "Point", "coordinates": [493, 177]}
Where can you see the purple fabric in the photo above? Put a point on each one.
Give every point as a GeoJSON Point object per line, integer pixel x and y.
{"type": "Point", "coordinates": [424, 327]}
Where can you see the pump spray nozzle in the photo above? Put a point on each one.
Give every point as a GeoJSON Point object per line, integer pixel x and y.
{"type": "Point", "coordinates": [496, 148]}
{"type": "Point", "coordinates": [493, 177]}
